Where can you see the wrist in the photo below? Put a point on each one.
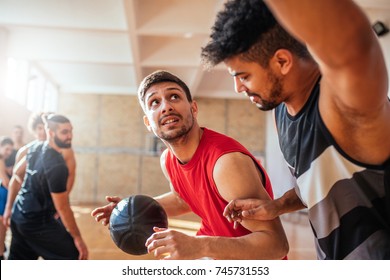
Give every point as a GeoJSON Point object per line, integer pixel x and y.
{"type": "Point", "coordinates": [289, 202]}
{"type": "Point", "coordinates": [279, 206]}
{"type": "Point", "coordinates": [8, 207]}
{"type": "Point", "coordinates": [77, 238]}
{"type": "Point", "coordinates": [204, 244]}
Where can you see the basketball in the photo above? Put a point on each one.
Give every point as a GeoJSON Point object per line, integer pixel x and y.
{"type": "Point", "coordinates": [132, 222]}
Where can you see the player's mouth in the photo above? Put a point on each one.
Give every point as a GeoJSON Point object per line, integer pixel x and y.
{"type": "Point", "coordinates": [170, 120]}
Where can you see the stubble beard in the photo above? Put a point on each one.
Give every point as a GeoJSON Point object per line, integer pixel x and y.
{"type": "Point", "coordinates": [62, 144]}
{"type": "Point", "coordinates": [275, 95]}
{"type": "Point", "coordinates": [174, 136]}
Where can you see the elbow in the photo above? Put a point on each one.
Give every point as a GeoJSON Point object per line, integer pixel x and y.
{"type": "Point", "coordinates": [281, 247]}
{"type": "Point", "coordinates": [274, 247]}
{"type": "Point", "coordinates": [283, 250]}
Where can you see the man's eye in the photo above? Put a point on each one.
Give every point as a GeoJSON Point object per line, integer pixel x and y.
{"type": "Point", "coordinates": [175, 96]}
{"type": "Point", "coordinates": [154, 103]}
{"type": "Point", "coordinates": [243, 79]}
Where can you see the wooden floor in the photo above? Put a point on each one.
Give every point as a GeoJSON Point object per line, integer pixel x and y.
{"type": "Point", "coordinates": [101, 247]}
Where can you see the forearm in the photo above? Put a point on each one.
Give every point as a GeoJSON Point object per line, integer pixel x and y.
{"type": "Point", "coordinates": [172, 204]}
{"type": "Point", "coordinates": [257, 245]}
{"type": "Point", "coordinates": [289, 202]}
{"type": "Point", "coordinates": [67, 218]}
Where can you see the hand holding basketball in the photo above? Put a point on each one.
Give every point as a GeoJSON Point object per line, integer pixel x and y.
{"type": "Point", "coordinates": [132, 222]}
{"type": "Point", "coordinates": [103, 213]}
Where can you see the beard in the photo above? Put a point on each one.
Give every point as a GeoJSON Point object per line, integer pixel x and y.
{"type": "Point", "coordinates": [62, 144]}
{"type": "Point", "coordinates": [275, 94]}
{"type": "Point", "coordinates": [174, 135]}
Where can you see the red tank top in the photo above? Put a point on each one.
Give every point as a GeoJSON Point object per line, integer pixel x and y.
{"type": "Point", "coordinates": [195, 184]}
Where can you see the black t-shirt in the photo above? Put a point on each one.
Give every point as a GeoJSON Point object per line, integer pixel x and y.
{"type": "Point", "coordinates": [46, 173]}
{"type": "Point", "coordinates": [10, 161]}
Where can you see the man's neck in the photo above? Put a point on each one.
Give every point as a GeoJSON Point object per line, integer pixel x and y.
{"type": "Point", "coordinates": [53, 145]}
{"type": "Point", "coordinates": [185, 147]}
{"type": "Point", "coordinates": [300, 89]}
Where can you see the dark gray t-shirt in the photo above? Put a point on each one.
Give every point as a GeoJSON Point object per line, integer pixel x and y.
{"type": "Point", "coordinates": [46, 173]}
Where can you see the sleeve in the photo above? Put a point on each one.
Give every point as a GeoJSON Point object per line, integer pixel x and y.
{"type": "Point", "coordinates": [57, 177]}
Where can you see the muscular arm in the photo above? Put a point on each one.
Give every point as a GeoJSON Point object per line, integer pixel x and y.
{"type": "Point", "coordinates": [237, 177]}
{"type": "Point", "coordinates": [61, 203]}
{"type": "Point", "coordinates": [340, 37]}
{"type": "Point", "coordinates": [263, 209]}
{"type": "Point", "coordinates": [354, 84]}
{"type": "Point", "coordinates": [70, 161]}
{"type": "Point", "coordinates": [170, 201]}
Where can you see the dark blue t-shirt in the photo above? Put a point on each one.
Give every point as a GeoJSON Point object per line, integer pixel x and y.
{"type": "Point", "coordinates": [46, 173]}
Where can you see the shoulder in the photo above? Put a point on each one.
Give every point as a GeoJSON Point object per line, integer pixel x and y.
{"type": "Point", "coordinates": [236, 176]}
{"type": "Point", "coordinates": [52, 157]}
{"type": "Point", "coordinates": [221, 141]}
{"type": "Point", "coordinates": [233, 159]}
{"type": "Point", "coordinates": [22, 152]}
{"type": "Point", "coordinates": [35, 146]}
{"type": "Point", "coordinates": [68, 154]}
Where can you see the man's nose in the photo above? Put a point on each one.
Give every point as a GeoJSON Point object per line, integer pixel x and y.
{"type": "Point", "coordinates": [166, 106]}
{"type": "Point", "coordinates": [239, 86]}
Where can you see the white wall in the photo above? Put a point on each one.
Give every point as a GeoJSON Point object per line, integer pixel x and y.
{"type": "Point", "coordinates": [275, 164]}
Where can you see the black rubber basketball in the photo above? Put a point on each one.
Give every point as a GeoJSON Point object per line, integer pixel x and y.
{"type": "Point", "coordinates": [132, 222]}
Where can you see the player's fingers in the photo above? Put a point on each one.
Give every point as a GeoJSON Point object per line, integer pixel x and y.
{"type": "Point", "coordinates": [245, 204]}
{"type": "Point", "coordinates": [114, 199]}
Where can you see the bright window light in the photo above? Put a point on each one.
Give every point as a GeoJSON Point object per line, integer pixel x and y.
{"type": "Point", "coordinates": [28, 86]}
{"type": "Point", "coordinates": [16, 84]}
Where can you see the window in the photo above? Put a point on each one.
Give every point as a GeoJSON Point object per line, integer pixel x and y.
{"type": "Point", "coordinates": [28, 86]}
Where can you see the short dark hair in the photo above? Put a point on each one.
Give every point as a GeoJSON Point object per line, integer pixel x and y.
{"type": "Point", "coordinates": [5, 140]}
{"type": "Point", "coordinates": [157, 77]}
{"type": "Point", "coordinates": [248, 28]}
{"type": "Point", "coordinates": [52, 120]}
{"type": "Point", "coordinates": [34, 120]}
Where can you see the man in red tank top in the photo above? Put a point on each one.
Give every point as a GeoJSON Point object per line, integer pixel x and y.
{"type": "Point", "coordinates": [205, 170]}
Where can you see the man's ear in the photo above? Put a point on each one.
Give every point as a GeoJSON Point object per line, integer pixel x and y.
{"type": "Point", "coordinates": [50, 133]}
{"type": "Point", "coordinates": [283, 61]}
{"type": "Point", "coordinates": [194, 108]}
{"type": "Point", "coordinates": [147, 123]}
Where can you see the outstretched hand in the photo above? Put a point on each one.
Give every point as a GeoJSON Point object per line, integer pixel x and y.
{"type": "Point", "coordinates": [102, 214]}
{"type": "Point", "coordinates": [252, 209]}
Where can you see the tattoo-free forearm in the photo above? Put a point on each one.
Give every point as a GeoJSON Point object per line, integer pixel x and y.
{"type": "Point", "coordinates": [289, 202]}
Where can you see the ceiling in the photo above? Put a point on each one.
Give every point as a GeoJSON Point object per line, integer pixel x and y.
{"type": "Point", "coordinates": [108, 46]}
